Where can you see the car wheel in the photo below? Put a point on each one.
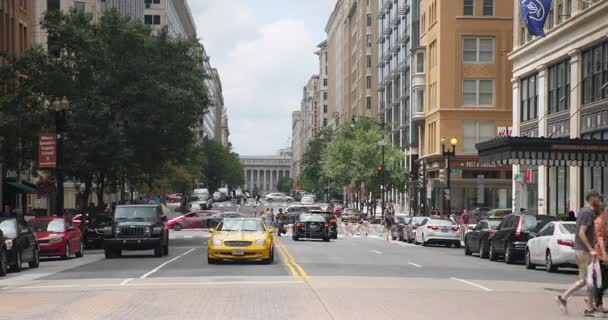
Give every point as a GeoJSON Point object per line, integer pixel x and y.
{"type": "Point", "coordinates": [80, 252]}
{"type": "Point", "coordinates": [3, 263]}
{"type": "Point", "coordinates": [270, 259]}
{"type": "Point", "coordinates": [177, 227]}
{"type": "Point", "coordinates": [508, 254]}
{"type": "Point", "coordinates": [326, 239]}
{"type": "Point", "coordinates": [467, 251]}
{"type": "Point", "coordinates": [109, 253]}
{"type": "Point", "coordinates": [35, 263]}
{"type": "Point", "coordinates": [166, 249]}
{"type": "Point", "coordinates": [158, 251]}
{"type": "Point", "coordinates": [529, 264]}
{"type": "Point", "coordinates": [211, 261]}
{"type": "Point", "coordinates": [295, 238]}
{"type": "Point", "coordinates": [492, 254]}
{"type": "Point", "coordinates": [67, 254]}
{"type": "Point", "coordinates": [549, 262]}
{"type": "Point", "coordinates": [269, 200]}
{"type": "Point", "coordinates": [482, 251]}
{"type": "Point", "coordinates": [17, 266]}
{"type": "Point", "coordinates": [424, 243]}
{"type": "Point", "coordinates": [335, 237]}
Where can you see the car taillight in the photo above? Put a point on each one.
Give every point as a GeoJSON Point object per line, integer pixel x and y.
{"type": "Point", "coordinates": [432, 228]}
{"type": "Point", "coordinates": [455, 228]}
{"type": "Point", "coordinates": [332, 220]}
{"type": "Point", "coordinates": [300, 225]}
{"type": "Point", "coordinates": [491, 232]}
{"type": "Point", "coordinates": [518, 230]}
{"type": "Point", "coordinates": [568, 243]}
{"type": "Point", "coordinates": [326, 225]}
{"type": "Point", "coordinates": [414, 228]}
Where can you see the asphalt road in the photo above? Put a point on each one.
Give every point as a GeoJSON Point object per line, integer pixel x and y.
{"type": "Point", "coordinates": [348, 278]}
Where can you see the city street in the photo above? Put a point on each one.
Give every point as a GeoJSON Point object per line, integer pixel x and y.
{"type": "Point", "coordinates": [349, 278]}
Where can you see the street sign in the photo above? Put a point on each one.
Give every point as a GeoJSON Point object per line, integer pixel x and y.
{"type": "Point", "coordinates": [519, 177]}
{"type": "Point", "coordinates": [456, 171]}
{"type": "Point", "coordinates": [47, 150]}
{"type": "Point", "coordinates": [381, 143]}
{"type": "Point", "coordinates": [388, 168]}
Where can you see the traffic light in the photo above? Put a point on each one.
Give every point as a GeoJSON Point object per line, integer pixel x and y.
{"type": "Point", "coordinates": [380, 168]}
{"type": "Point", "coordinates": [442, 176]}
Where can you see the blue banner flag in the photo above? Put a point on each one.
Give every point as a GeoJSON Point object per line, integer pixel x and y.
{"type": "Point", "coordinates": [534, 13]}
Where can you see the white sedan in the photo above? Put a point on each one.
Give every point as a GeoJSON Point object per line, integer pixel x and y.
{"type": "Point", "coordinates": [552, 247]}
{"type": "Point", "coordinates": [442, 231]}
{"type": "Point", "coordinates": [308, 200]}
{"type": "Point", "coordinates": [278, 197]}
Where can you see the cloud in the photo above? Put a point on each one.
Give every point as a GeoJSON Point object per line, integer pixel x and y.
{"type": "Point", "coordinates": [264, 55]}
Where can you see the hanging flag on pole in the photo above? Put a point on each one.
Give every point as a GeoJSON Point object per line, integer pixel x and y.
{"type": "Point", "coordinates": [534, 13]}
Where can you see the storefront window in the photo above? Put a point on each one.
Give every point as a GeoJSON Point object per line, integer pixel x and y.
{"type": "Point", "coordinates": [557, 190]}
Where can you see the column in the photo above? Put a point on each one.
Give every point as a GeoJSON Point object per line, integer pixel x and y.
{"type": "Point", "coordinates": [516, 132]}
{"type": "Point", "coordinates": [574, 189]}
{"type": "Point", "coordinates": [264, 187]}
{"type": "Point", "coordinates": [257, 182]}
{"type": "Point", "coordinates": [250, 180]}
{"type": "Point", "coordinates": [543, 88]}
{"type": "Point", "coordinates": [275, 179]}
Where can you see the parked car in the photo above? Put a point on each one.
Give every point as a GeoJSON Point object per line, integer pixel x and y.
{"type": "Point", "coordinates": [308, 200]}
{"type": "Point", "coordinates": [191, 220]}
{"type": "Point", "coordinates": [137, 227]}
{"type": "Point", "coordinates": [512, 235]}
{"type": "Point", "coordinates": [552, 247]}
{"type": "Point", "coordinates": [410, 229]}
{"type": "Point", "coordinates": [20, 244]}
{"type": "Point", "coordinates": [201, 202]}
{"type": "Point", "coordinates": [398, 228]}
{"type": "Point", "coordinates": [443, 231]}
{"type": "Point", "coordinates": [93, 236]}
{"type": "Point", "coordinates": [58, 237]}
{"type": "Point", "coordinates": [311, 226]}
{"type": "Point", "coordinates": [278, 197]}
{"type": "Point", "coordinates": [241, 239]}
{"type": "Point", "coordinates": [476, 240]}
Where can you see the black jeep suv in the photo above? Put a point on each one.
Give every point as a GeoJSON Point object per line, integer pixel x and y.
{"type": "Point", "coordinates": [137, 227]}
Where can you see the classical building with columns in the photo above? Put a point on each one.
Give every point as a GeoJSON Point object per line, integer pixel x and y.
{"type": "Point", "coordinates": [559, 91]}
{"type": "Point", "coordinates": [262, 173]}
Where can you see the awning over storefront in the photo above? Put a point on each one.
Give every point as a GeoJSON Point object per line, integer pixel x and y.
{"type": "Point", "coordinates": [21, 187]}
{"type": "Point", "coordinates": [544, 151]}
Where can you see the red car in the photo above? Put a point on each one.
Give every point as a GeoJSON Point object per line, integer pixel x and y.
{"type": "Point", "coordinates": [337, 211]}
{"type": "Point", "coordinates": [58, 237]}
{"type": "Point", "coordinates": [191, 220]}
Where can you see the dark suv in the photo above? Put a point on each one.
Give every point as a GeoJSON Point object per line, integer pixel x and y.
{"type": "Point", "coordinates": [137, 227]}
{"type": "Point", "coordinates": [513, 233]}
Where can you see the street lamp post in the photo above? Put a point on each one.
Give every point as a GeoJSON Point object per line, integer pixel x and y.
{"type": "Point", "coordinates": [449, 155]}
{"type": "Point", "coordinates": [60, 107]}
{"type": "Point", "coordinates": [382, 143]}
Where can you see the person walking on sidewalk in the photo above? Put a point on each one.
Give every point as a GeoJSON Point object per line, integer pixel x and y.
{"type": "Point", "coordinates": [585, 253]}
{"type": "Point", "coordinates": [601, 244]}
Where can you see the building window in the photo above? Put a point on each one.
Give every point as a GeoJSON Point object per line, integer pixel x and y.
{"type": "Point", "coordinates": [595, 73]}
{"type": "Point", "coordinates": [475, 131]}
{"type": "Point", "coordinates": [369, 19]}
{"type": "Point", "coordinates": [324, 108]}
{"type": "Point", "coordinates": [325, 122]}
{"type": "Point", "coordinates": [420, 62]}
{"type": "Point", "coordinates": [478, 92]}
{"type": "Point", "coordinates": [369, 40]}
{"type": "Point", "coordinates": [369, 82]}
{"type": "Point", "coordinates": [478, 50]}
{"type": "Point", "coordinates": [559, 87]}
{"type": "Point", "coordinates": [51, 5]}
{"type": "Point", "coordinates": [529, 98]}
{"type": "Point", "coordinates": [325, 95]}
{"type": "Point", "coordinates": [79, 6]}
{"type": "Point", "coordinates": [488, 8]}
{"type": "Point", "coordinates": [468, 8]}
{"type": "Point", "coordinates": [369, 61]}
{"type": "Point", "coordinates": [369, 103]}
{"type": "Point", "coordinates": [325, 82]}
{"type": "Point", "coordinates": [152, 1]}
{"type": "Point", "coordinates": [152, 19]}
{"type": "Point", "coordinates": [419, 101]}
{"type": "Point", "coordinates": [433, 54]}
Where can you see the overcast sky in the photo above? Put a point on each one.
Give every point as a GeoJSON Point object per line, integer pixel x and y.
{"type": "Point", "coordinates": [264, 53]}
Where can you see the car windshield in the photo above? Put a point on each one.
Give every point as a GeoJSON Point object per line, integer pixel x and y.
{"type": "Point", "coordinates": [440, 222]}
{"type": "Point", "coordinates": [136, 213]}
{"type": "Point", "coordinates": [418, 220]}
{"type": "Point", "coordinates": [9, 228]}
{"type": "Point", "coordinates": [402, 220]}
{"type": "Point", "coordinates": [494, 224]}
{"type": "Point", "coordinates": [568, 228]}
{"type": "Point", "coordinates": [199, 198]}
{"type": "Point", "coordinates": [311, 218]}
{"type": "Point", "coordinates": [241, 225]}
{"type": "Point", "coordinates": [55, 225]}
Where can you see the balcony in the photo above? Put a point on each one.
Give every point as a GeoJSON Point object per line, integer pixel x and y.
{"type": "Point", "coordinates": [404, 9]}
{"type": "Point", "coordinates": [395, 21]}
{"type": "Point", "coordinates": [380, 40]}
{"type": "Point", "coordinates": [387, 31]}
{"type": "Point", "coordinates": [403, 66]}
{"type": "Point", "coordinates": [387, 4]}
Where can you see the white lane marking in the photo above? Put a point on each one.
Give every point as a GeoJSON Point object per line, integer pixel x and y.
{"type": "Point", "coordinates": [124, 282]}
{"type": "Point", "coordinates": [166, 263]}
{"type": "Point", "coordinates": [472, 284]}
{"type": "Point", "coordinates": [188, 237]}
{"type": "Point", "coordinates": [212, 283]}
{"type": "Point", "coordinates": [376, 251]}
{"type": "Point", "coordinates": [414, 264]}
{"type": "Point", "coordinates": [51, 287]}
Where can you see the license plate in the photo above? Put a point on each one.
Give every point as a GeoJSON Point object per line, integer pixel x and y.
{"type": "Point", "coordinates": [444, 230]}
{"type": "Point", "coordinates": [238, 252]}
{"type": "Point", "coordinates": [314, 226]}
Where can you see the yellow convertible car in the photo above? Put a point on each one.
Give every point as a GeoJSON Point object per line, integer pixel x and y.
{"type": "Point", "coordinates": [241, 239]}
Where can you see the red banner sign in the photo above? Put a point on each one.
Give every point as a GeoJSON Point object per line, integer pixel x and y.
{"type": "Point", "coordinates": [47, 150]}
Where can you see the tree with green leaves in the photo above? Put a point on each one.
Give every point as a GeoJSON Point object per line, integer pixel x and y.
{"type": "Point", "coordinates": [285, 184]}
{"type": "Point", "coordinates": [220, 167]}
{"type": "Point", "coordinates": [311, 177]}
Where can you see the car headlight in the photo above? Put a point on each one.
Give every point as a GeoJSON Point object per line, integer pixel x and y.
{"type": "Point", "coordinates": [55, 240]}
{"type": "Point", "coordinates": [156, 230]}
{"type": "Point", "coordinates": [147, 231]}
{"type": "Point", "coordinates": [117, 230]}
{"type": "Point", "coordinates": [216, 242]}
{"type": "Point", "coordinates": [260, 242]}
{"type": "Point", "coordinates": [9, 244]}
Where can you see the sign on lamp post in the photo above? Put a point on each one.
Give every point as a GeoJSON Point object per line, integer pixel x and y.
{"type": "Point", "coordinates": [47, 150]}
